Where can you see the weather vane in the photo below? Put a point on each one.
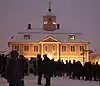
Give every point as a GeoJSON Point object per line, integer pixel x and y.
{"type": "Point", "coordinates": [49, 6]}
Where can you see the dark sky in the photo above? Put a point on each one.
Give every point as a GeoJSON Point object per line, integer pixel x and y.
{"type": "Point", "coordinates": [73, 15]}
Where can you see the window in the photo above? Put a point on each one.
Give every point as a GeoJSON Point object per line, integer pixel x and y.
{"type": "Point", "coordinates": [26, 37]}
{"type": "Point", "coordinates": [54, 22]}
{"type": "Point", "coordinates": [72, 48]}
{"type": "Point", "coordinates": [26, 48]}
{"type": "Point", "coordinates": [53, 48]}
{"type": "Point", "coordinates": [35, 48]}
{"type": "Point", "coordinates": [81, 48]}
{"type": "Point", "coordinates": [63, 48]}
{"type": "Point", "coordinates": [46, 48]}
{"type": "Point", "coordinates": [15, 47]}
{"type": "Point", "coordinates": [50, 19]}
{"type": "Point", "coordinates": [71, 37]}
{"type": "Point", "coordinates": [45, 22]}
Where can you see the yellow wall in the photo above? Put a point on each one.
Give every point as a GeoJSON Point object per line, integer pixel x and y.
{"type": "Point", "coordinates": [68, 55]}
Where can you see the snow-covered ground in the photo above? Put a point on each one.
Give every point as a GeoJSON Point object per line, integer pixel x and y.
{"type": "Point", "coordinates": [32, 81]}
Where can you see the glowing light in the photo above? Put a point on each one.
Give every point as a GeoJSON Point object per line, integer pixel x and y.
{"type": "Point", "coordinates": [45, 22]}
{"type": "Point", "coordinates": [99, 63]}
{"type": "Point", "coordinates": [54, 51]}
{"type": "Point", "coordinates": [50, 56]}
{"type": "Point", "coordinates": [54, 22]}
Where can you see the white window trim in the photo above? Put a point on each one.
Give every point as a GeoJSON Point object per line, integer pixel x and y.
{"type": "Point", "coordinates": [62, 49]}
{"type": "Point", "coordinates": [79, 48]}
{"type": "Point", "coordinates": [53, 50]}
{"type": "Point", "coordinates": [72, 51]}
{"type": "Point", "coordinates": [34, 48]}
{"type": "Point", "coordinates": [24, 48]}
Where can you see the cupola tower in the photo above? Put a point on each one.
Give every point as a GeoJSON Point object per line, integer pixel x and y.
{"type": "Point", "coordinates": [49, 20]}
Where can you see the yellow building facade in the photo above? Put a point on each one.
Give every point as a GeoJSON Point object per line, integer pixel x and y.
{"type": "Point", "coordinates": [51, 40]}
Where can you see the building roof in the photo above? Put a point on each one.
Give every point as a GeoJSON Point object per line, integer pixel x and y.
{"type": "Point", "coordinates": [49, 14]}
{"type": "Point", "coordinates": [38, 34]}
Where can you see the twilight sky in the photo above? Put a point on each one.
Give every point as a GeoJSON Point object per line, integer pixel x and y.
{"type": "Point", "coordinates": [73, 15]}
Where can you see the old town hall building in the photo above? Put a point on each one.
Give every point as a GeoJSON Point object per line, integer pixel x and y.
{"type": "Point", "coordinates": [50, 40]}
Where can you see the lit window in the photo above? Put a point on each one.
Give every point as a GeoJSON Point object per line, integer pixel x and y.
{"type": "Point", "coordinates": [54, 22]}
{"type": "Point", "coordinates": [54, 48]}
{"type": "Point", "coordinates": [46, 48]}
{"type": "Point", "coordinates": [71, 37]}
{"type": "Point", "coordinates": [45, 22]}
{"type": "Point", "coordinates": [26, 48]}
{"type": "Point", "coordinates": [50, 19]}
{"type": "Point", "coordinates": [81, 48]}
{"type": "Point", "coordinates": [35, 48]}
{"type": "Point", "coordinates": [63, 48]}
{"type": "Point", "coordinates": [72, 48]}
{"type": "Point", "coordinates": [15, 47]}
{"type": "Point", "coordinates": [26, 37]}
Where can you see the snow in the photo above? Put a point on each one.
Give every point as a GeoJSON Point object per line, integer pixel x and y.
{"type": "Point", "coordinates": [32, 81]}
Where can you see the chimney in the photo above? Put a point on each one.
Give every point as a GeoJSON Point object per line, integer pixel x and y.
{"type": "Point", "coordinates": [29, 26]}
{"type": "Point", "coordinates": [58, 26]}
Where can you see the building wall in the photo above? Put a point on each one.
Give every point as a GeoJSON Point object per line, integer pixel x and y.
{"type": "Point", "coordinates": [73, 55]}
{"type": "Point", "coordinates": [68, 55]}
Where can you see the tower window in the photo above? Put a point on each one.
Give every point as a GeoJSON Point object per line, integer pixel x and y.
{"type": "Point", "coordinates": [71, 37]}
{"type": "Point", "coordinates": [72, 48]}
{"type": "Point", "coordinates": [45, 22]}
{"type": "Point", "coordinates": [26, 37]}
{"type": "Point", "coordinates": [35, 48]}
{"type": "Point", "coordinates": [54, 22]}
{"type": "Point", "coordinates": [63, 48]}
{"type": "Point", "coordinates": [50, 19]}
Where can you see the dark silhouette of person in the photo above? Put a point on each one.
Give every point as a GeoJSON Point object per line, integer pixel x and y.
{"type": "Point", "coordinates": [70, 69]}
{"type": "Point", "coordinates": [88, 70]}
{"type": "Point", "coordinates": [14, 72]}
{"type": "Point", "coordinates": [47, 70]}
{"type": "Point", "coordinates": [39, 68]}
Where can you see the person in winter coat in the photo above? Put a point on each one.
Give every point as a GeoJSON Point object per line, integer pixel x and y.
{"type": "Point", "coordinates": [14, 72]}
{"type": "Point", "coordinates": [47, 69]}
{"type": "Point", "coordinates": [39, 68]}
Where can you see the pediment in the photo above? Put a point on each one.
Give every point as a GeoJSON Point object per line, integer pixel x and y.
{"type": "Point", "coordinates": [49, 39]}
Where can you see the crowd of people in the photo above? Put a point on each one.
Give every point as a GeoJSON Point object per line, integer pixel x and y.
{"type": "Point", "coordinates": [14, 67]}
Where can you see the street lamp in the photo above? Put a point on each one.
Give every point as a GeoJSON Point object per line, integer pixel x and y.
{"type": "Point", "coordinates": [83, 52]}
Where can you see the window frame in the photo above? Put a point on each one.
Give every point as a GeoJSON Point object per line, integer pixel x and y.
{"type": "Point", "coordinates": [26, 48]}
{"type": "Point", "coordinates": [46, 48]}
{"type": "Point", "coordinates": [64, 48]}
{"type": "Point", "coordinates": [53, 48]}
{"type": "Point", "coordinates": [15, 47]}
{"type": "Point", "coordinates": [82, 48]}
{"type": "Point", "coordinates": [72, 37]}
{"type": "Point", "coordinates": [27, 37]}
{"type": "Point", "coordinates": [36, 49]}
{"type": "Point", "coordinates": [72, 48]}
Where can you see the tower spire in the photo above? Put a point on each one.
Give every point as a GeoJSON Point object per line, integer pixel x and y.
{"type": "Point", "coordinates": [49, 6]}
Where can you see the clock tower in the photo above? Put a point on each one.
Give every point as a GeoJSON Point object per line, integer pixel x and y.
{"type": "Point", "coordinates": [49, 20]}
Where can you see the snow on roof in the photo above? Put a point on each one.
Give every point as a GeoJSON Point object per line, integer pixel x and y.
{"type": "Point", "coordinates": [39, 33]}
{"type": "Point", "coordinates": [49, 14]}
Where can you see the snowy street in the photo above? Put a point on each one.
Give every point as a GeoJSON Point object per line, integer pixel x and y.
{"type": "Point", "coordinates": [31, 81]}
